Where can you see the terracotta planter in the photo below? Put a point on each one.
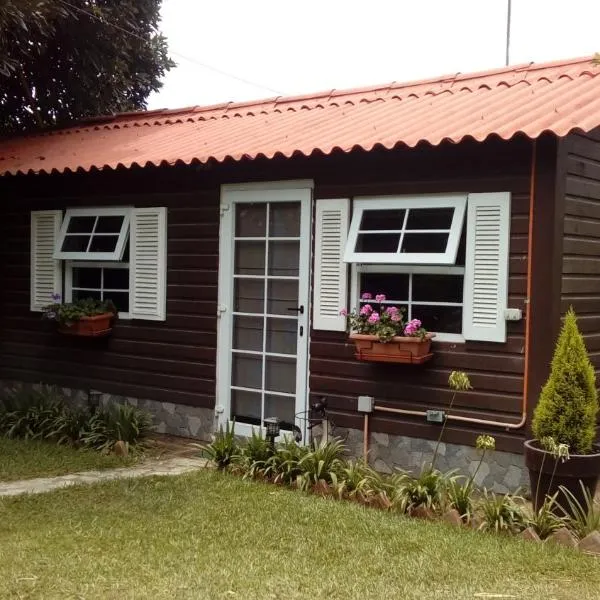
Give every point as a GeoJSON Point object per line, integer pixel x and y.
{"type": "Point", "coordinates": [407, 350]}
{"type": "Point", "coordinates": [89, 326]}
{"type": "Point", "coordinates": [579, 467]}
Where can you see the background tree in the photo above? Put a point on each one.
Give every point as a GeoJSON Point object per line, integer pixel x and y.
{"type": "Point", "coordinates": [63, 60]}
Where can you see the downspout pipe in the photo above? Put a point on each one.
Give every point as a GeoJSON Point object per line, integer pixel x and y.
{"type": "Point", "coordinates": [487, 422]}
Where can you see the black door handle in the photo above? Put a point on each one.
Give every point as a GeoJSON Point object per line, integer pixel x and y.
{"type": "Point", "coordinates": [298, 309]}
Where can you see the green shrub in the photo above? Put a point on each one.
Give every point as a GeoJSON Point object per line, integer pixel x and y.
{"type": "Point", "coordinates": [283, 466]}
{"type": "Point", "coordinates": [113, 423]}
{"type": "Point", "coordinates": [224, 449]}
{"type": "Point", "coordinates": [581, 517]}
{"type": "Point", "coordinates": [459, 496]}
{"type": "Point", "coordinates": [254, 454]}
{"type": "Point", "coordinates": [427, 489]}
{"type": "Point", "coordinates": [501, 513]}
{"type": "Point", "coordinates": [323, 462]}
{"type": "Point", "coordinates": [545, 520]}
{"type": "Point", "coordinates": [568, 403]}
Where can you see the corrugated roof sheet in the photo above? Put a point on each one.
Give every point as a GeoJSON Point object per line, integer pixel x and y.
{"type": "Point", "coordinates": [529, 99]}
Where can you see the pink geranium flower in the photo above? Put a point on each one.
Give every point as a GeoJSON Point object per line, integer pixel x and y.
{"type": "Point", "coordinates": [392, 310]}
{"type": "Point", "coordinates": [396, 317]}
{"type": "Point", "coordinates": [366, 296]}
{"type": "Point", "coordinates": [412, 327]}
{"type": "Point", "coordinates": [380, 298]}
{"type": "Point", "coordinates": [344, 312]}
{"type": "Point", "coordinates": [373, 318]}
{"type": "Point", "coordinates": [367, 309]}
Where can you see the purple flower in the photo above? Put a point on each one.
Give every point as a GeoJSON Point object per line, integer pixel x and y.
{"type": "Point", "coordinates": [374, 318]}
{"type": "Point", "coordinates": [344, 312]}
{"type": "Point", "coordinates": [367, 309]}
{"type": "Point", "coordinates": [366, 296]}
{"type": "Point", "coordinates": [56, 297]}
{"type": "Point", "coordinates": [380, 298]}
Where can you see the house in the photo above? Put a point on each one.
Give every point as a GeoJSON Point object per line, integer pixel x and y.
{"type": "Point", "coordinates": [230, 237]}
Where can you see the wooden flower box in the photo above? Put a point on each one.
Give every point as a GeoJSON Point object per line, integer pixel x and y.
{"type": "Point", "coordinates": [95, 326]}
{"type": "Point", "coordinates": [406, 350]}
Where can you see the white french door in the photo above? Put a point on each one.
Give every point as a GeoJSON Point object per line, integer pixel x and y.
{"type": "Point", "coordinates": [264, 294]}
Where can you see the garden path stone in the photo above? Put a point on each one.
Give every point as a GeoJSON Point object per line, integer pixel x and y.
{"type": "Point", "coordinates": [171, 466]}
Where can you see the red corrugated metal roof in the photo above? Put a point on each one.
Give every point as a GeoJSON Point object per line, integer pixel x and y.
{"type": "Point", "coordinates": [529, 99]}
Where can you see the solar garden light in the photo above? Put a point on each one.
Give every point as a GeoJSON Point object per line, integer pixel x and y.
{"type": "Point", "coordinates": [273, 429]}
{"type": "Point", "coordinates": [94, 397]}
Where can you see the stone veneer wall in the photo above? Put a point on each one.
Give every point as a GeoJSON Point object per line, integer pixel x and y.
{"type": "Point", "coordinates": [501, 472]}
{"type": "Point", "coordinates": [173, 419]}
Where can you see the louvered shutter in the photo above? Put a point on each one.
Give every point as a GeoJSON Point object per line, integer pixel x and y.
{"type": "Point", "coordinates": [486, 267]}
{"type": "Point", "coordinates": [330, 273]}
{"type": "Point", "coordinates": [46, 272]}
{"type": "Point", "coordinates": [148, 263]}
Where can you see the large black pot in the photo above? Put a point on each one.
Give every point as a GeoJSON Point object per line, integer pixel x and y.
{"type": "Point", "coordinates": [579, 467]}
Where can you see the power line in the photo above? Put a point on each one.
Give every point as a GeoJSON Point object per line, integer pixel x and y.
{"type": "Point", "coordinates": [188, 58]}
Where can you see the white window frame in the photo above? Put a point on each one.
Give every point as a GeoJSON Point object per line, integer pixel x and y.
{"type": "Point", "coordinates": [456, 201]}
{"type": "Point", "coordinates": [358, 268]}
{"type": "Point", "coordinates": [70, 264]}
{"type": "Point", "coordinates": [116, 255]}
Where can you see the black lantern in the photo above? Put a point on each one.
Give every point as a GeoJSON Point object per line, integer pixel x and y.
{"type": "Point", "coordinates": [273, 429]}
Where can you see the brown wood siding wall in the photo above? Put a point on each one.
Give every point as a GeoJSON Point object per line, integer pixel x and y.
{"type": "Point", "coordinates": [175, 360]}
{"type": "Point", "coordinates": [581, 242]}
{"type": "Point", "coordinates": [170, 361]}
{"type": "Point", "coordinates": [495, 370]}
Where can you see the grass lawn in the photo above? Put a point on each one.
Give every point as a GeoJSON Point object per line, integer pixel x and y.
{"type": "Point", "coordinates": [211, 536]}
{"type": "Point", "coordinates": [21, 459]}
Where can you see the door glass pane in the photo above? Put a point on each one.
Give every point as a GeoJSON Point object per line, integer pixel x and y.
{"type": "Point", "coordinates": [430, 218]}
{"type": "Point", "coordinates": [280, 374]}
{"type": "Point", "coordinates": [249, 258]}
{"type": "Point", "coordinates": [245, 406]}
{"type": "Point", "coordinates": [247, 371]}
{"type": "Point", "coordinates": [282, 335]}
{"type": "Point", "coordinates": [284, 219]}
{"type": "Point", "coordinates": [250, 220]}
{"type": "Point", "coordinates": [248, 333]}
{"type": "Point", "coordinates": [382, 219]}
{"type": "Point", "coordinates": [249, 296]}
{"type": "Point", "coordinates": [282, 295]}
{"type": "Point", "coordinates": [282, 407]}
{"type": "Point", "coordinates": [284, 258]}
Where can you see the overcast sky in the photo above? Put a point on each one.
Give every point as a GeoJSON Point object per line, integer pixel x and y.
{"type": "Point", "coordinates": [286, 47]}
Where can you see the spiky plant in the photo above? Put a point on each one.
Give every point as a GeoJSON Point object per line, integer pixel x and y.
{"type": "Point", "coordinates": [568, 403]}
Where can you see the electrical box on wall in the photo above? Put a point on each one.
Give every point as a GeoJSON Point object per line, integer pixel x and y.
{"type": "Point", "coordinates": [513, 314]}
{"type": "Point", "coordinates": [435, 416]}
{"type": "Point", "coordinates": [365, 404]}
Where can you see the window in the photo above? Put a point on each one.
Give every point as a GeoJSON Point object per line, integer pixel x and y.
{"type": "Point", "coordinates": [446, 269]}
{"type": "Point", "coordinates": [416, 237]}
{"type": "Point", "coordinates": [117, 254]}
{"type": "Point", "coordinates": [93, 234]}
{"type": "Point", "coordinates": [406, 230]}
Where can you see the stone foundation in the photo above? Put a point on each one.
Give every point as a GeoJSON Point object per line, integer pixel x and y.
{"type": "Point", "coordinates": [501, 472]}
{"type": "Point", "coordinates": [169, 418]}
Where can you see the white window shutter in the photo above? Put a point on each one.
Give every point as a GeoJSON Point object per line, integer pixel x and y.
{"type": "Point", "coordinates": [148, 263]}
{"type": "Point", "coordinates": [46, 272]}
{"type": "Point", "coordinates": [331, 273]}
{"type": "Point", "coordinates": [486, 267]}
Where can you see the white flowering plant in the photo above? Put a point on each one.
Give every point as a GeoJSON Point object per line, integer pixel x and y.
{"type": "Point", "coordinates": [379, 319]}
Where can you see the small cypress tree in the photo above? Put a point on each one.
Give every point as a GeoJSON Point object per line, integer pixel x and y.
{"type": "Point", "coordinates": [568, 403]}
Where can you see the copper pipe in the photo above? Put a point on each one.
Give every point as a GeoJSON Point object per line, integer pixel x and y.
{"type": "Point", "coordinates": [523, 420]}
{"type": "Point", "coordinates": [366, 438]}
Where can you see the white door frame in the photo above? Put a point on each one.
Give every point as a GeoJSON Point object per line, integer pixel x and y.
{"type": "Point", "coordinates": [275, 191]}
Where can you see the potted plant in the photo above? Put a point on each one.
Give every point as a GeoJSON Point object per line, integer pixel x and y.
{"type": "Point", "coordinates": [380, 334]}
{"type": "Point", "coordinates": [565, 416]}
{"type": "Point", "coordinates": [86, 317]}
